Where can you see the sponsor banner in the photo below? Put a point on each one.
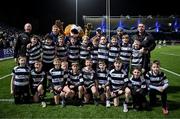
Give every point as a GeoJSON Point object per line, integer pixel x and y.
{"type": "Point", "coordinates": [4, 53]}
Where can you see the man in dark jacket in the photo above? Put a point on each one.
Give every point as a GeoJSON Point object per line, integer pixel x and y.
{"type": "Point", "coordinates": [22, 41]}
{"type": "Point", "coordinates": [147, 45]}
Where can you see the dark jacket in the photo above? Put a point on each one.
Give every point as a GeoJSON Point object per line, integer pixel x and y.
{"type": "Point", "coordinates": [147, 40]}
{"type": "Point", "coordinates": [21, 43]}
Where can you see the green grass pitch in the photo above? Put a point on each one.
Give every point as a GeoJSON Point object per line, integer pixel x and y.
{"type": "Point", "coordinates": [169, 57]}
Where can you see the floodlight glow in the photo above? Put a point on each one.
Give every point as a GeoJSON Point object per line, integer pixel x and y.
{"type": "Point", "coordinates": [120, 24]}
{"type": "Point", "coordinates": [157, 26]}
{"type": "Point", "coordinates": [103, 25]}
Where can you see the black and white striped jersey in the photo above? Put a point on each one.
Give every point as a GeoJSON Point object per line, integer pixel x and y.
{"type": "Point", "coordinates": [34, 53]}
{"type": "Point", "coordinates": [156, 80]}
{"type": "Point", "coordinates": [21, 75]}
{"type": "Point", "coordinates": [37, 78]}
{"type": "Point", "coordinates": [125, 52]}
{"type": "Point", "coordinates": [94, 54]}
{"type": "Point", "coordinates": [74, 78]}
{"type": "Point", "coordinates": [113, 52]}
{"type": "Point", "coordinates": [102, 52]}
{"type": "Point", "coordinates": [48, 53]}
{"type": "Point", "coordinates": [87, 76]}
{"type": "Point", "coordinates": [84, 52]}
{"type": "Point", "coordinates": [137, 83]}
{"type": "Point", "coordinates": [136, 60]}
{"type": "Point", "coordinates": [117, 79]}
{"type": "Point", "coordinates": [61, 51]}
{"type": "Point", "coordinates": [73, 53]}
{"type": "Point", "coordinates": [102, 76]}
{"type": "Point", "coordinates": [56, 76]}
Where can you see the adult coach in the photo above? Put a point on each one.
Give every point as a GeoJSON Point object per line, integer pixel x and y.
{"type": "Point", "coordinates": [22, 41]}
{"type": "Point", "coordinates": [147, 45]}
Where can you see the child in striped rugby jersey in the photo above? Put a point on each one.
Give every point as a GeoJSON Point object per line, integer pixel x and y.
{"type": "Point", "coordinates": [37, 83]}
{"type": "Point", "coordinates": [157, 84]}
{"type": "Point", "coordinates": [20, 82]}
{"type": "Point", "coordinates": [33, 50]}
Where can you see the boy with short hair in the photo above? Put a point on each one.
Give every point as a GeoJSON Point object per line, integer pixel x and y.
{"type": "Point", "coordinates": [118, 80]}
{"type": "Point", "coordinates": [157, 84]}
{"type": "Point", "coordinates": [102, 75]}
{"type": "Point", "coordinates": [74, 82]}
{"type": "Point", "coordinates": [113, 51]}
{"type": "Point", "coordinates": [138, 88]}
{"type": "Point", "coordinates": [88, 79]}
{"type": "Point", "coordinates": [103, 50]}
{"type": "Point", "coordinates": [84, 49]}
{"type": "Point", "coordinates": [56, 79]}
{"type": "Point", "coordinates": [48, 53]}
{"type": "Point", "coordinates": [34, 50]}
{"type": "Point", "coordinates": [37, 81]}
{"type": "Point", "coordinates": [61, 48]}
{"type": "Point", "coordinates": [20, 82]}
{"type": "Point", "coordinates": [125, 52]}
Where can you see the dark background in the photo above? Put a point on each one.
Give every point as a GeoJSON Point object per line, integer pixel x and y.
{"type": "Point", "coordinates": [43, 13]}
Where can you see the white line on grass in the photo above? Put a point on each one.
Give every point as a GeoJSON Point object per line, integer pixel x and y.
{"type": "Point", "coordinates": [5, 76]}
{"type": "Point", "coordinates": [170, 72]}
{"type": "Point", "coordinates": [2, 59]}
{"type": "Point", "coordinates": [171, 54]}
{"type": "Point", "coordinates": [6, 100]}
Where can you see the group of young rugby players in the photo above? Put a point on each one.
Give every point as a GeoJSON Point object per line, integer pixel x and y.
{"type": "Point", "coordinates": [89, 69]}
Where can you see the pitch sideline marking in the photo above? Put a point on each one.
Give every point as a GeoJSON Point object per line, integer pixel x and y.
{"type": "Point", "coordinates": [5, 76]}
{"type": "Point", "coordinates": [171, 54]}
{"type": "Point", "coordinates": [170, 71]}
{"type": "Point", "coordinates": [7, 100]}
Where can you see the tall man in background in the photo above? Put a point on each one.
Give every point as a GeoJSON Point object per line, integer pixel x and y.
{"type": "Point", "coordinates": [22, 41]}
{"type": "Point", "coordinates": [147, 45]}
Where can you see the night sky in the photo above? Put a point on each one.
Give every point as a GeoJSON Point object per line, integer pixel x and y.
{"type": "Point", "coordinates": [42, 13]}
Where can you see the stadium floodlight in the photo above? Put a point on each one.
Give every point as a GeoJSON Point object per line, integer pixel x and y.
{"type": "Point", "coordinates": [127, 17]}
{"type": "Point", "coordinates": [176, 25]}
{"type": "Point", "coordinates": [172, 16]}
{"type": "Point", "coordinates": [149, 17]}
{"type": "Point", "coordinates": [138, 21]}
{"type": "Point", "coordinates": [157, 26]}
{"type": "Point", "coordinates": [120, 24]}
{"type": "Point", "coordinates": [103, 25]}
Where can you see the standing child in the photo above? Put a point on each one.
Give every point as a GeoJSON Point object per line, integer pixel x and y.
{"type": "Point", "coordinates": [37, 81]}
{"type": "Point", "coordinates": [137, 53]}
{"type": "Point", "coordinates": [157, 84]}
{"type": "Point", "coordinates": [73, 50]}
{"type": "Point", "coordinates": [68, 92]}
{"type": "Point", "coordinates": [20, 82]}
{"type": "Point", "coordinates": [84, 49]}
{"type": "Point", "coordinates": [102, 75]}
{"type": "Point", "coordinates": [74, 82]}
{"type": "Point", "coordinates": [48, 48]}
{"type": "Point", "coordinates": [94, 52]}
{"type": "Point", "coordinates": [125, 52]}
{"type": "Point", "coordinates": [56, 79]}
{"type": "Point", "coordinates": [33, 50]}
{"type": "Point", "coordinates": [103, 50]}
{"type": "Point", "coordinates": [118, 80]}
{"type": "Point", "coordinates": [88, 78]}
{"type": "Point", "coordinates": [138, 89]}
{"type": "Point", "coordinates": [113, 51]}
{"type": "Point", "coordinates": [61, 48]}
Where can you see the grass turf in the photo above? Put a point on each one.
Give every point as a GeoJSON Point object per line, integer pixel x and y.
{"type": "Point", "coordinates": [168, 60]}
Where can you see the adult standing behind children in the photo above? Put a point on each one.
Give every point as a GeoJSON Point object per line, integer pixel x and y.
{"type": "Point", "coordinates": [147, 44]}
{"type": "Point", "coordinates": [22, 41]}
